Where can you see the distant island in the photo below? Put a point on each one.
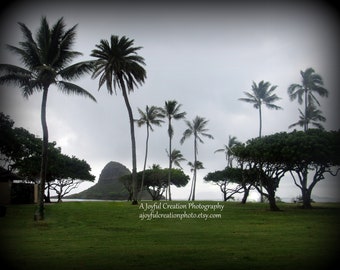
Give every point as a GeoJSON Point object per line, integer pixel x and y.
{"type": "Point", "coordinates": [108, 187]}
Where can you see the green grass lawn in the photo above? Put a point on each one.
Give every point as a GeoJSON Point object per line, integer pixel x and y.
{"type": "Point", "coordinates": [110, 235]}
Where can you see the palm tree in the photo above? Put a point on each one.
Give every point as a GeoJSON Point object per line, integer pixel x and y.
{"type": "Point", "coordinates": [228, 150]}
{"type": "Point", "coordinates": [172, 111]}
{"type": "Point", "coordinates": [313, 116]}
{"type": "Point", "coordinates": [176, 157]}
{"type": "Point", "coordinates": [311, 83]}
{"type": "Point", "coordinates": [118, 64]}
{"type": "Point", "coordinates": [197, 128]}
{"type": "Point", "coordinates": [150, 117]}
{"type": "Point", "coordinates": [46, 62]}
{"type": "Point", "coordinates": [198, 165]}
{"type": "Point", "coordinates": [262, 94]}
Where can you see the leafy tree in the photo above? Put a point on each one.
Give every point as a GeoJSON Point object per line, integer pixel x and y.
{"type": "Point", "coordinates": [312, 83]}
{"type": "Point", "coordinates": [309, 156]}
{"type": "Point", "coordinates": [297, 152]}
{"type": "Point", "coordinates": [171, 111]}
{"type": "Point", "coordinates": [220, 179]}
{"type": "Point", "coordinates": [263, 155]}
{"type": "Point", "coordinates": [68, 173]}
{"type": "Point", "coordinates": [262, 94]}
{"type": "Point", "coordinates": [9, 146]}
{"type": "Point", "coordinates": [228, 150]}
{"type": "Point", "coordinates": [29, 165]}
{"type": "Point", "coordinates": [45, 62]}
{"type": "Point", "coordinates": [63, 173]}
{"type": "Point", "coordinates": [243, 179]}
{"type": "Point", "coordinates": [150, 117]}
{"type": "Point", "coordinates": [118, 63]}
{"type": "Point", "coordinates": [126, 180]}
{"type": "Point", "coordinates": [22, 150]}
{"type": "Point", "coordinates": [196, 128]}
{"type": "Point", "coordinates": [313, 116]}
{"type": "Point", "coordinates": [156, 180]}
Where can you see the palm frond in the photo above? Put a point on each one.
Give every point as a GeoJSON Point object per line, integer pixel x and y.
{"type": "Point", "coordinates": [196, 128]}
{"type": "Point", "coordinates": [295, 91]}
{"type": "Point", "coordinates": [220, 150]}
{"type": "Point", "coordinates": [318, 125]}
{"type": "Point", "coordinates": [273, 106]}
{"type": "Point", "coordinates": [209, 136]}
{"type": "Point", "coordinates": [70, 88]}
{"type": "Point", "coordinates": [187, 133]}
{"type": "Point", "coordinates": [150, 117]}
{"type": "Point", "coordinates": [75, 71]}
{"type": "Point", "coordinates": [12, 69]}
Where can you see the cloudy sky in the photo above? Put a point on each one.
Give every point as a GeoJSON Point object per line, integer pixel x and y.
{"type": "Point", "coordinates": [204, 55]}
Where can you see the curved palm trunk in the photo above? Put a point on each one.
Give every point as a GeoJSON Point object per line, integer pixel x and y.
{"type": "Point", "coordinates": [145, 159]}
{"type": "Point", "coordinates": [43, 169]}
{"type": "Point", "coordinates": [192, 184]}
{"type": "Point", "coordinates": [133, 144]}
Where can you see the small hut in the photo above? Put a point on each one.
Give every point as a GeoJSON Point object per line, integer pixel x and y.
{"type": "Point", "coordinates": [6, 180]}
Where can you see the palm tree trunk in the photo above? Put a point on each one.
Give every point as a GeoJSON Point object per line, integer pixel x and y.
{"type": "Point", "coordinates": [192, 184]}
{"type": "Point", "coordinates": [260, 134]}
{"type": "Point", "coordinates": [170, 161]}
{"type": "Point", "coordinates": [260, 115]}
{"type": "Point", "coordinates": [133, 144]}
{"type": "Point", "coordinates": [305, 126]}
{"type": "Point", "coordinates": [195, 163]}
{"type": "Point", "coordinates": [44, 155]}
{"type": "Point", "coordinates": [145, 159]}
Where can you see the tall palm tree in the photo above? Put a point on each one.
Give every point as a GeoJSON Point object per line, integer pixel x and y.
{"type": "Point", "coordinates": [171, 111]}
{"type": "Point", "coordinates": [228, 150]}
{"type": "Point", "coordinates": [46, 62]}
{"type": "Point", "coordinates": [197, 128]}
{"type": "Point", "coordinates": [151, 116]}
{"type": "Point", "coordinates": [119, 65]}
{"type": "Point", "coordinates": [311, 83]}
{"type": "Point", "coordinates": [262, 94]}
{"type": "Point", "coordinates": [198, 165]}
{"type": "Point", "coordinates": [313, 116]}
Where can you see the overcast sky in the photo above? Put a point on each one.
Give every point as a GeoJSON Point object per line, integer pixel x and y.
{"type": "Point", "coordinates": [202, 55]}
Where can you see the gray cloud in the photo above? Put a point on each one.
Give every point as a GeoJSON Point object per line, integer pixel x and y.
{"type": "Point", "coordinates": [204, 56]}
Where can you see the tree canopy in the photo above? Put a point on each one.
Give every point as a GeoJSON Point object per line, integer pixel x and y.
{"type": "Point", "coordinates": [156, 180]}
{"type": "Point", "coordinates": [21, 152]}
{"type": "Point", "coordinates": [274, 155]}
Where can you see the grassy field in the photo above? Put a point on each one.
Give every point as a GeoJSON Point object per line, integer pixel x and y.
{"type": "Point", "coordinates": [111, 235]}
